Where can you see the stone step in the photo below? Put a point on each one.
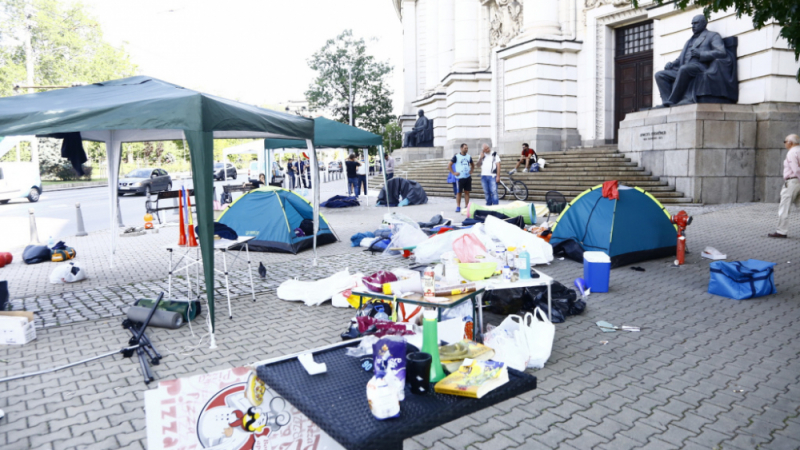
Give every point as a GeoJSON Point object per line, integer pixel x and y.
{"type": "Point", "coordinates": [541, 198]}
{"type": "Point", "coordinates": [595, 176]}
{"type": "Point", "coordinates": [562, 171]}
{"type": "Point", "coordinates": [545, 187]}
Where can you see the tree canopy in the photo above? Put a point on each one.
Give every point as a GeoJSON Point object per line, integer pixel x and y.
{"type": "Point", "coordinates": [785, 13]}
{"type": "Point", "coordinates": [67, 43]}
{"type": "Point", "coordinates": [372, 105]}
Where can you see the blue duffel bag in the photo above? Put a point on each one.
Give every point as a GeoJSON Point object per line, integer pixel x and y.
{"type": "Point", "coordinates": [741, 280]}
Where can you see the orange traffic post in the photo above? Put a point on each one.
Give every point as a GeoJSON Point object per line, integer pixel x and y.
{"type": "Point", "coordinates": [182, 239]}
{"type": "Point", "coordinates": [192, 238]}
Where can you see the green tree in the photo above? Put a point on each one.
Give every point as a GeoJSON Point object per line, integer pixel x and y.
{"type": "Point", "coordinates": [67, 45]}
{"type": "Point", "coordinates": [339, 60]}
{"type": "Point", "coordinates": [785, 13]}
{"type": "Point", "coordinates": [392, 137]}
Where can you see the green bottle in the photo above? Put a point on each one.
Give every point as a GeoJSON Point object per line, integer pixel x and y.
{"type": "Point", "coordinates": [430, 343]}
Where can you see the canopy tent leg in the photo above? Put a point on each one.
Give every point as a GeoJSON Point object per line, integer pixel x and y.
{"type": "Point", "coordinates": [385, 181]}
{"type": "Point", "coordinates": [315, 188]}
{"type": "Point", "coordinates": [113, 154]}
{"type": "Point", "coordinates": [365, 153]}
{"type": "Point", "coordinates": [201, 153]}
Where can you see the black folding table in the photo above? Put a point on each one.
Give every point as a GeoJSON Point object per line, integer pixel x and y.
{"type": "Point", "coordinates": [337, 401]}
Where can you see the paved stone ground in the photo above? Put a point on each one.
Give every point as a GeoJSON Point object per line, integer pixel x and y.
{"type": "Point", "coordinates": [704, 373]}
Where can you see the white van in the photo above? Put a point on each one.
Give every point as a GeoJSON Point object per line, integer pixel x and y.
{"type": "Point", "coordinates": [19, 180]}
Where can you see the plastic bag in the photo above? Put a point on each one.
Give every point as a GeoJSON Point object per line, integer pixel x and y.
{"type": "Point", "coordinates": [565, 302]}
{"type": "Point", "coordinates": [508, 343]}
{"type": "Point", "coordinates": [431, 249]}
{"type": "Point", "coordinates": [507, 301]}
{"type": "Point", "coordinates": [406, 236]}
{"type": "Point", "coordinates": [539, 334]}
{"type": "Point", "coordinates": [469, 249]}
{"type": "Point", "coordinates": [376, 281]}
{"type": "Point", "coordinates": [67, 273]}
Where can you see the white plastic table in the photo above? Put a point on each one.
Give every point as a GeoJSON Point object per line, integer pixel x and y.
{"type": "Point", "coordinates": [220, 245]}
{"type": "Point", "coordinates": [496, 283]}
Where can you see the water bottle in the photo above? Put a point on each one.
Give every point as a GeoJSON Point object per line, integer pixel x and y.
{"type": "Point", "coordinates": [525, 265]}
{"type": "Point", "coordinates": [50, 243]}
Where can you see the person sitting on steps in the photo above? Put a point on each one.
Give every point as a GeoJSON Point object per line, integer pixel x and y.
{"type": "Point", "coordinates": [528, 154]}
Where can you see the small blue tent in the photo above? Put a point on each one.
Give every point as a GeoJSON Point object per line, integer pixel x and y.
{"type": "Point", "coordinates": [272, 215]}
{"type": "Point", "coordinates": [634, 228]}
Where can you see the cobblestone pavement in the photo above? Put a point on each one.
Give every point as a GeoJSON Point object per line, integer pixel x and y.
{"type": "Point", "coordinates": [704, 373]}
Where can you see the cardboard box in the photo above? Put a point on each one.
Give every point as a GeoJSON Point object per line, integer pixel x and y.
{"type": "Point", "coordinates": [16, 327]}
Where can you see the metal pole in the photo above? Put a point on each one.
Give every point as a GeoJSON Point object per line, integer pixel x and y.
{"type": "Point", "coordinates": [81, 228]}
{"type": "Point", "coordinates": [119, 216]}
{"type": "Point", "coordinates": [350, 95]}
{"type": "Point", "coordinates": [34, 231]}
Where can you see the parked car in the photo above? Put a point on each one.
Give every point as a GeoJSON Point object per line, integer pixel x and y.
{"type": "Point", "coordinates": [335, 166]}
{"type": "Point", "coordinates": [19, 180]}
{"type": "Point", "coordinates": [145, 181]}
{"type": "Point", "coordinates": [219, 173]}
{"type": "Point", "coordinates": [321, 166]}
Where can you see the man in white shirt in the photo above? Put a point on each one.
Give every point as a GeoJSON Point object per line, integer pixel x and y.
{"type": "Point", "coordinates": [361, 171]}
{"type": "Point", "coordinates": [791, 184]}
{"type": "Point", "coordinates": [489, 163]}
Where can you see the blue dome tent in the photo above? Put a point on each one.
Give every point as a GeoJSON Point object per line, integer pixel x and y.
{"type": "Point", "coordinates": [634, 228]}
{"type": "Point", "coordinates": [272, 215]}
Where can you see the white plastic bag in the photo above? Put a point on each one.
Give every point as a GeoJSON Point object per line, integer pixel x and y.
{"type": "Point", "coordinates": [539, 334]}
{"type": "Point", "coordinates": [431, 250]}
{"type": "Point", "coordinates": [314, 293]}
{"type": "Point", "coordinates": [540, 251]}
{"type": "Point", "coordinates": [67, 273]}
{"type": "Point", "coordinates": [509, 344]}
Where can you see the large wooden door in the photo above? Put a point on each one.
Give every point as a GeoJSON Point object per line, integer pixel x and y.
{"type": "Point", "coordinates": [633, 71]}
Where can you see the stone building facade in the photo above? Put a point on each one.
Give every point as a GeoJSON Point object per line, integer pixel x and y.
{"type": "Point", "coordinates": [565, 73]}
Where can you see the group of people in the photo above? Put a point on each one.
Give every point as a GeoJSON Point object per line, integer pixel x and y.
{"type": "Point", "coordinates": [462, 166]}
{"type": "Point", "coordinates": [357, 173]}
{"type": "Point", "coordinates": [299, 173]}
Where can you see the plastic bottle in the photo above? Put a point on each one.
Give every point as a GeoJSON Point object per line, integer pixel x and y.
{"type": "Point", "coordinates": [430, 343]}
{"type": "Point", "coordinates": [524, 262]}
{"type": "Point", "coordinates": [429, 283]}
{"type": "Point", "coordinates": [510, 257]}
{"type": "Point", "coordinates": [506, 274]}
{"type": "Point", "coordinates": [50, 242]}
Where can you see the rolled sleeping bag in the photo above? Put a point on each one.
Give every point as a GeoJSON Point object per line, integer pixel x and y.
{"type": "Point", "coordinates": [161, 318]}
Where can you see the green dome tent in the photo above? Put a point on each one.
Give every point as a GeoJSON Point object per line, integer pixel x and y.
{"type": "Point", "coordinates": [272, 215]}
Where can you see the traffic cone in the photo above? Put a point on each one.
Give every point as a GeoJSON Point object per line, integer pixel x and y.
{"type": "Point", "coordinates": [192, 238]}
{"type": "Point", "coordinates": [182, 238]}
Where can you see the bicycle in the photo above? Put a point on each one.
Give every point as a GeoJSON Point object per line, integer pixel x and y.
{"type": "Point", "coordinates": [518, 188]}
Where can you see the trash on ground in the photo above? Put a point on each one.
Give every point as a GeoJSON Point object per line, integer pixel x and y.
{"type": "Point", "coordinates": [712, 253]}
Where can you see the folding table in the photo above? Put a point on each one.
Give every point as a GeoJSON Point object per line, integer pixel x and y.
{"type": "Point", "coordinates": [497, 283]}
{"type": "Point", "coordinates": [336, 401]}
{"type": "Point", "coordinates": [222, 246]}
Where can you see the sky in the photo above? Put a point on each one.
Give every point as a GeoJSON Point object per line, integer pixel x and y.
{"type": "Point", "coordinates": [255, 51]}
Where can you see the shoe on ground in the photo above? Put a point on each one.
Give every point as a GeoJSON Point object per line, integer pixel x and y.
{"type": "Point", "coordinates": [713, 254]}
{"type": "Point", "coordinates": [776, 235]}
{"type": "Point", "coordinates": [458, 209]}
{"type": "Point", "coordinates": [512, 171]}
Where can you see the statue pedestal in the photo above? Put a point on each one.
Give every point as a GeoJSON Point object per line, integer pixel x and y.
{"type": "Point", "coordinates": [707, 151]}
{"type": "Point", "coordinates": [409, 154]}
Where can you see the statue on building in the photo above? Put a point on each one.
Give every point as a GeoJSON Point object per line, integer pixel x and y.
{"type": "Point", "coordinates": [506, 20]}
{"type": "Point", "coordinates": [705, 71]}
{"type": "Point", "coordinates": [422, 133]}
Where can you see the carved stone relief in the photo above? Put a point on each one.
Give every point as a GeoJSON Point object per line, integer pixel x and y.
{"type": "Point", "coordinates": [505, 20]}
{"type": "Point", "coordinates": [596, 3]}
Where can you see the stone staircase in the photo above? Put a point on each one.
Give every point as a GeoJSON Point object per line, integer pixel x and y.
{"type": "Point", "coordinates": [569, 172]}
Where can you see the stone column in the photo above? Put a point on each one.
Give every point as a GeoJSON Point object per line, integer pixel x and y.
{"type": "Point", "coordinates": [484, 47]}
{"type": "Point", "coordinates": [466, 35]}
{"type": "Point", "coordinates": [409, 12]}
{"type": "Point", "coordinates": [540, 18]}
{"type": "Point", "coordinates": [446, 38]}
{"type": "Point", "coordinates": [431, 45]}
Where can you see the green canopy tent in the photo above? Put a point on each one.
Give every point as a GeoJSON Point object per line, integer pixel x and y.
{"type": "Point", "coordinates": [330, 134]}
{"type": "Point", "coordinates": [147, 109]}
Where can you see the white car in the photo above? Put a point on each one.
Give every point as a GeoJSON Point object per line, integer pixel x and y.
{"type": "Point", "coordinates": [19, 180]}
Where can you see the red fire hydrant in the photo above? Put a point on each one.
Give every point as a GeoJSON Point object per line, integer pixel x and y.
{"type": "Point", "coordinates": [682, 220]}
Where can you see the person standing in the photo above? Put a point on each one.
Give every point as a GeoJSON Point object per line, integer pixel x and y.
{"type": "Point", "coordinates": [352, 177]}
{"type": "Point", "coordinates": [791, 184]}
{"type": "Point", "coordinates": [361, 171]}
{"type": "Point", "coordinates": [461, 166]}
{"type": "Point", "coordinates": [303, 172]}
{"type": "Point", "coordinates": [389, 166]}
{"type": "Point", "coordinates": [292, 173]}
{"type": "Point", "coordinates": [489, 163]}
{"type": "Point", "coordinates": [528, 154]}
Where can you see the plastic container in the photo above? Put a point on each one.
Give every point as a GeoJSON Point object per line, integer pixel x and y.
{"type": "Point", "coordinates": [430, 342]}
{"type": "Point", "coordinates": [477, 271]}
{"type": "Point", "coordinates": [596, 270]}
{"type": "Point", "coordinates": [524, 264]}
{"type": "Point", "coordinates": [429, 283]}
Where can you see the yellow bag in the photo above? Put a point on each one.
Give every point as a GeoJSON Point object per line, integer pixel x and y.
{"type": "Point", "coordinates": [63, 254]}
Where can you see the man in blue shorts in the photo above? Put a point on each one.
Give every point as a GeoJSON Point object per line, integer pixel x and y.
{"type": "Point", "coordinates": [461, 166]}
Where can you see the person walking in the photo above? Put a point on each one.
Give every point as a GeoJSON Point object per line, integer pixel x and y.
{"type": "Point", "coordinates": [389, 166]}
{"type": "Point", "coordinates": [489, 163]}
{"type": "Point", "coordinates": [461, 166]}
{"type": "Point", "coordinates": [528, 154]}
{"type": "Point", "coordinates": [791, 184]}
{"type": "Point", "coordinates": [290, 169]}
{"type": "Point", "coordinates": [361, 171]}
{"type": "Point", "coordinates": [352, 177]}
